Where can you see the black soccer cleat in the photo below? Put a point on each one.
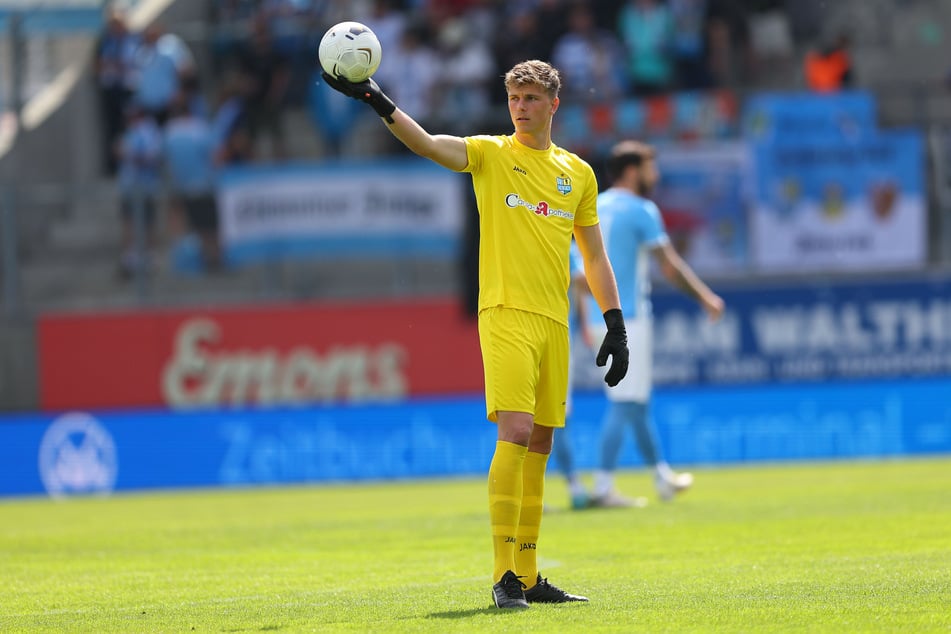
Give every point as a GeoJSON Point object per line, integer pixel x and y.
{"type": "Point", "coordinates": [544, 592]}
{"type": "Point", "coordinates": [509, 592]}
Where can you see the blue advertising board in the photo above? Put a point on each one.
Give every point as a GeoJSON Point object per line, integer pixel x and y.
{"type": "Point", "coordinates": [806, 333]}
{"type": "Point", "coordinates": [98, 453]}
{"type": "Point", "coordinates": [841, 331]}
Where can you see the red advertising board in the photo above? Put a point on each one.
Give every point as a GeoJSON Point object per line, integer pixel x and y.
{"type": "Point", "coordinates": [277, 355]}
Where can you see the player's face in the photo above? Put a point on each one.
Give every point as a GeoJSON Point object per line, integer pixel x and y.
{"type": "Point", "coordinates": [531, 108]}
{"type": "Point", "coordinates": [649, 176]}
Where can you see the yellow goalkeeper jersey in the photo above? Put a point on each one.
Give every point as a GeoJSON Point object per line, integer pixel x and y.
{"type": "Point", "coordinates": [529, 201]}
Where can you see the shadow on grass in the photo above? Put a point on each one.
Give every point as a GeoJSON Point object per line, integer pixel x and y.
{"type": "Point", "coordinates": [464, 614]}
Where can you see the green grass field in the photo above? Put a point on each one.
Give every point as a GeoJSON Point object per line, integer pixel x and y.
{"type": "Point", "coordinates": [830, 547]}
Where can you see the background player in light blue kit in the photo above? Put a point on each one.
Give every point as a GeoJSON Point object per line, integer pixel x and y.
{"type": "Point", "coordinates": [633, 229]}
{"type": "Point", "coordinates": [580, 336]}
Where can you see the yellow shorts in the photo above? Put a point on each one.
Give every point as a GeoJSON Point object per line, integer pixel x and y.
{"type": "Point", "coordinates": [525, 356]}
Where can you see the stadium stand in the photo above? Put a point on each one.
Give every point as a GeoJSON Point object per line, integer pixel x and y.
{"type": "Point", "coordinates": [66, 219]}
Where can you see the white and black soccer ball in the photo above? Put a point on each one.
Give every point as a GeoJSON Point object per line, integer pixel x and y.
{"type": "Point", "coordinates": [350, 50]}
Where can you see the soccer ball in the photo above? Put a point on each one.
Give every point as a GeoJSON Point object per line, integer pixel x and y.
{"type": "Point", "coordinates": [350, 50]}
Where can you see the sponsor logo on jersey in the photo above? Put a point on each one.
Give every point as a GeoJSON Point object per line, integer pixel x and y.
{"type": "Point", "coordinates": [541, 208]}
{"type": "Point", "coordinates": [520, 170]}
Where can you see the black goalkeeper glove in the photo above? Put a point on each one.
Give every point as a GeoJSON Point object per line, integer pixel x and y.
{"type": "Point", "coordinates": [367, 91]}
{"type": "Point", "coordinates": [615, 345]}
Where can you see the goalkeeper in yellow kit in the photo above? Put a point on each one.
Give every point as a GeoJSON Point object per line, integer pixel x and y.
{"type": "Point", "coordinates": [532, 196]}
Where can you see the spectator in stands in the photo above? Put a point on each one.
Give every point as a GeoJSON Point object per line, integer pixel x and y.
{"type": "Point", "coordinates": [191, 172]}
{"type": "Point", "coordinates": [729, 53]}
{"type": "Point", "coordinates": [229, 124]}
{"type": "Point", "coordinates": [162, 62]}
{"type": "Point", "coordinates": [552, 17]}
{"type": "Point", "coordinates": [771, 44]}
{"type": "Point", "coordinates": [229, 20]}
{"type": "Point", "coordinates": [296, 33]}
{"type": "Point", "coordinates": [466, 71]}
{"type": "Point", "coordinates": [197, 102]}
{"type": "Point", "coordinates": [113, 66]}
{"type": "Point", "coordinates": [139, 158]}
{"type": "Point", "coordinates": [521, 39]}
{"type": "Point", "coordinates": [335, 117]}
{"type": "Point", "coordinates": [388, 25]}
{"type": "Point", "coordinates": [646, 29]}
{"type": "Point", "coordinates": [419, 71]}
{"type": "Point", "coordinates": [605, 12]}
{"type": "Point", "coordinates": [689, 43]}
{"type": "Point", "coordinates": [229, 12]}
{"type": "Point", "coordinates": [267, 73]}
{"type": "Point", "coordinates": [235, 148]}
{"type": "Point", "coordinates": [590, 59]}
{"type": "Point", "coordinates": [829, 68]}
{"type": "Point", "coordinates": [481, 18]}
{"type": "Point", "coordinates": [172, 45]}
{"type": "Point", "coordinates": [286, 19]}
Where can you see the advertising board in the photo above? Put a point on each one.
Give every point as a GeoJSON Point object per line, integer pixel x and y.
{"type": "Point", "coordinates": [93, 453]}
{"type": "Point", "coordinates": [380, 208]}
{"type": "Point", "coordinates": [308, 353]}
{"type": "Point", "coordinates": [281, 354]}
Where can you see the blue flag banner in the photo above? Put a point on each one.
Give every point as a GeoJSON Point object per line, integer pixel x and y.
{"type": "Point", "coordinates": [821, 205]}
{"type": "Point", "coordinates": [338, 209]}
{"type": "Point", "coordinates": [704, 199]}
{"type": "Point", "coordinates": [805, 116]}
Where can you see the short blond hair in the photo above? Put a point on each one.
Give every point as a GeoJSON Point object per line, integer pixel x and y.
{"type": "Point", "coordinates": [534, 72]}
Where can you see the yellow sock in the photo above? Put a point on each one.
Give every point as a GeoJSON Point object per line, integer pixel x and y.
{"type": "Point", "coordinates": [505, 502]}
{"type": "Point", "coordinates": [530, 519]}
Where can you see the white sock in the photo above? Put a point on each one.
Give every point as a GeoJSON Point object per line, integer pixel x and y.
{"type": "Point", "coordinates": [663, 470]}
{"type": "Point", "coordinates": [576, 486]}
{"type": "Point", "coordinates": [603, 483]}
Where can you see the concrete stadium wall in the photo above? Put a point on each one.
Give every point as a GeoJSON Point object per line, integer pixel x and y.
{"type": "Point", "coordinates": [18, 372]}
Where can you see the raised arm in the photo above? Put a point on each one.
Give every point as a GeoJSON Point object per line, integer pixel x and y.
{"type": "Point", "coordinates": [443, 149]}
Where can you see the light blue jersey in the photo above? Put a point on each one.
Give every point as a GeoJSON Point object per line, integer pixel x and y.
{"type": "Point", "coordinates": [632, 227]}
{"type": "Point", "coordinates": [189, 155]}
{"type": "Point", "coordinates": [140, 158]}
{"type": "Point", "coordinates": [575, 268]}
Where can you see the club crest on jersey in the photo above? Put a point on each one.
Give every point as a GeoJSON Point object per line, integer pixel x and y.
{"type": "Point", "coordinates": [563, 183]}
